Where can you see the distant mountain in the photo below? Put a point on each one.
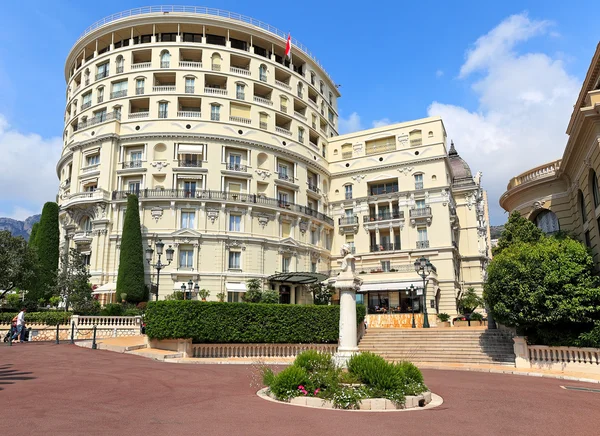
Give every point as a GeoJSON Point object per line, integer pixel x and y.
{"type": "Point", "coordinates": [496, 231]}
{"type": "Point", "coordinates": [19, 228]}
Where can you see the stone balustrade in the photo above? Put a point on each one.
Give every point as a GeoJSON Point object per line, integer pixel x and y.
{"type": "Point", "coordinates": [257, 350]}
{"type": "Point", "coordinates": [545, 170]}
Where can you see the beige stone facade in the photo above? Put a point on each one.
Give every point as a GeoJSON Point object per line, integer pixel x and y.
{"type": "Point", "coordinates": [234, 153]}
{"type": "Point", "coordinates": [563, 194]}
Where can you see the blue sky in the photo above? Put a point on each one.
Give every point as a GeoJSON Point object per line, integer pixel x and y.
{"type": "Point", "coordinates": [503, 75]}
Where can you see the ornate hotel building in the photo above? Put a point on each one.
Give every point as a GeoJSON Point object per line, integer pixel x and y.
{"type": "Point", "coordinates": [233, 151]}
{"type": "Point", "coordinates": [564, 194]}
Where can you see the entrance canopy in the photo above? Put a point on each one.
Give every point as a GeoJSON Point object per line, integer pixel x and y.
{"type": "Point", "coordinates": [107, 288]}
{"type": "Point", "coordinates": [389, 286]}
{"type": "Point", "coordinates": [298, 278]}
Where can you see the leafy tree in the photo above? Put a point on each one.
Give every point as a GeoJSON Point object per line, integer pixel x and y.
{"type": "Point", "coordinates": [18, 262]}
{"type": "Point", "coordinates": [131, 276]}
{"type": "Point", "coordinates": [72, 282]}
{"type": "Point", "coordinates": [517, 229]}
{"type": "Point", "coordinates": [469, 301]}
{"type": "Point", "coordinates": [269, 296]}
{"type": "Point", "coordinates": [46, 241]}
{"type": "Point", "coordinates": [546, 289]}
{"type": "Point", "coordinates": [177, 295]}
{"type": "Point", "coordinates": [253, 292]}
{"type": "Point", "coordinates": [322, 294]}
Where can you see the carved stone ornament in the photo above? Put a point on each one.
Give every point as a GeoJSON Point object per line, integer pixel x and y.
{"type": "Point", "coordinates": [100, 212]}
{"type": "Point", "coordinates": [403, 140]}
{"type": "Point", "coordinates": [234, 243]}
{"type": "Point", "coordinates": [263, 219]}
{"type": "Point", "coordinates": [287, 250]}
{"type": "Point", "coordinates": [159, 165]}
{"type": "Point", "coordinates": [315, 255]}
{"type": "Point", "coordinates": [406, 170]}
{"type": "Point", "coordinates": [358, 177]}
{"type": "Point", "coordinates": [303, 225]}
{"type": "Point", "coordinates": [156, 213]}
{"type": "Point", "coordinates": [538, 204]}
{"type": "Point", "coordinates": [264, 174]}
{"type": "Point", "coordinates": [212, 214]}
{"type": "Point", "coordinates": [587, 162]}
{"type": "Point", "coordinates": [99, 232]}
{"type": "Point", "coordinates": [444, 195]}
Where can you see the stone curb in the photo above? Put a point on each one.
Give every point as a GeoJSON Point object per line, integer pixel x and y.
{"type": "Point", "coordinates": [379, 404]}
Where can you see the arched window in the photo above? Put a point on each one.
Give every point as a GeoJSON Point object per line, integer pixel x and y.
{"type": "Point", "coordinates": [299, 89]}
{"type": "Point", "coordinates": [120, 64]}
{"type": "Point", "coordinates": [322, 87]}
{"type": "Point", "coordinates": [215, 60]}
{"type": "Point", "coordinates": [581, 200]}
{"type": "Point", "coordinates": [86, 224]}
{"type": "Point", "coordinates": [312, 78]}
{"type": "Point", "coordinates": [547, 222]}
{"type": "Point", "coordinates": [594, 186]}
{"type": "Point", "coordinates": [262, 72]}
{"type": "Point", "coordinates": [165, 59]}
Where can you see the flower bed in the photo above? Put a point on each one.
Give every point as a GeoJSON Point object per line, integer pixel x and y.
{"type": "Point", "coordinates": [313, 378]}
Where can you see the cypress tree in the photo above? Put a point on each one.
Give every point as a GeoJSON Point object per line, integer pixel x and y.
{"type": "Point", "coordinates": [47, 241]}
{"type": "Point", "coordinates": [34, 230]}
{"type": "Point", "coordinates": [131, 276]}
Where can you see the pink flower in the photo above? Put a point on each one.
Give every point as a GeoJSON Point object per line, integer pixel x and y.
{"type": "Point", "coordinates": [316, 391]}
{"type": "Point", "coordinates": [301, 387]}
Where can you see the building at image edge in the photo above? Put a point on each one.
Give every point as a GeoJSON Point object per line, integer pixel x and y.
{"type": "Point", "coordinates": [234, 153]}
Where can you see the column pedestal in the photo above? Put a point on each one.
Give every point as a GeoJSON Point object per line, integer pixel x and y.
{"type": "Point", "coordinates": [347, 284]}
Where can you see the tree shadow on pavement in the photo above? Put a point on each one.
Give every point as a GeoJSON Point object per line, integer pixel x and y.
{"type": "Point", "coordinates": [9, 376]}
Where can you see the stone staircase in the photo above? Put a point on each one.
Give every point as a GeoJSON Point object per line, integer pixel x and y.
{"type": "Point", "coordinates": [441, 345]}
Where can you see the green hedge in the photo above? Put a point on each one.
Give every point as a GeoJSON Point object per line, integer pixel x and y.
{"type": "Point", "coordinates": [45, 318]}
{"type": "Point", "coordinates": [208, 322]}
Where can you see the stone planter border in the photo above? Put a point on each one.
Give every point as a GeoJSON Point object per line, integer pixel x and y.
{"type": "Point", "coordinates": [429, 399]}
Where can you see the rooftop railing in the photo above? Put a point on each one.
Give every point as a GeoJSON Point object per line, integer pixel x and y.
{"type": "Point", "coordinates": [539, 172]}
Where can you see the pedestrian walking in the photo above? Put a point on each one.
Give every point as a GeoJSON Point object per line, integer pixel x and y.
{"type": "Point", "coordinates": [20, 333]}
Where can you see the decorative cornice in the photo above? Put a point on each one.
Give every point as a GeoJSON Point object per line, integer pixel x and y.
{"type": "Point", "coordinates": [348, 172]}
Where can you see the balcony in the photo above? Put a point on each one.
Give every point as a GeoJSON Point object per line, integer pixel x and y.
{"type": "Point", "coordinates": [223, 196]}
{"type": "Point", "coordinates": [283, 85]}
{"type": "Point", "coordinates": [283, 131]}
{"type": "Point", "coordinates": [313, 188]}
{"type": "Point", "coordinates": [215, 67]}
{"type": "Point", "coordinates": [188, 64]}
{"type": "Point", "coordinates": [286, 177]}
{"type": "Point", "coordinates": [384, 216]}
{"type": "Point", "coordinates": [132, 164]}
{"type": "Point", "coordinates": [262, 100]}
{"type": "Point", "coordinates": [86, 105]}
{"type": "Point", "coordinates": [189, 89]}
{"type": "Point", "coordinates": [101, 75]}
{"type": "Point", "coordinates": [420, 212]}
{"type": "Point", "coordinates": [299, 115]}
{"type": "Point", "coordinates": [120, 70]}
{"type": "Point", "coordinates": [163, 114]}
{"type": "Point", "coordinates": [138, 115]}
{"type": "Point", "coordinates": [141, 65]}
{"type": "Point", "coordinates": [215, 91]}
{"type": "Point", "coordinates": [215, 116]}
{"type": "Point", "coordinates": [118, 94]}
{"type": "Point", "coordinates": [263, 77]}
{"type": "Point", "coordinates": [348, 220]}
{"type": "Point", "coordinates": [240, 119]}
{"type": "Point", "coordinates": [418, 185]}
{"type": "Point", "coordinates": [236, 167]}
{"type": "Point", "coordinates": [186, 163]}
{"type": "Point", "coordinates": [139, 90]}
{"type": "Point", "coordinates": [82, 238]}
{"type": "Point", "coordinates": [85, 197]}
{"type": "Point", "coordinates": [240, 95]}
{"type": "Point", "coordinates": [165, 64]}
{"type": "Point", "coordinates": [348, 196]}
{"type": "Point", "coordinates": [422, 244]}
{"type": "Point", "coordinates": [241, 71]}
{"type": "Point", "coordinates": [381, 247]}
{"type": "Point", "coordinates": [163, 88]}
{"type": "Point", "coordinates": [98, 119]}
{"type": "Point", "coordinates": [189, 114]}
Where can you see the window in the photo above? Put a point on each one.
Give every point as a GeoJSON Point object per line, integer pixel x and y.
{"type": "Point", "coordinates": [135, 157]}
{"type": "Point", "coordinates": [90, 188]}
{"type": "Point", "coordinates": [312, 78]}
{"type": "Point", "coordinates": [348, 190]}
{"type": "Point", "coordinates": [588, 242]}
{"type": "Point", "coordinates": [162, 109]}
{"type": "Point", "coordinates": [139, 86]}
{"type": "Point", "coordinates": [300, 134]}
{"type": "Point", "coordinates": [420, 204]}
{"type": "Point", "coordinates": [314, 237]}
{"type": "Point", "coordinates": [186, 258]}
{"type": "Point", "coordinates": [384, 188]}
{"type": "Point", "coordinates": [134, 187]}
{"type": "Point", "coordinates": [165, 59]}
{"type": "Point", "coordinates": [321, 87]}
{"type": "Point", "coordinates": [234, 297]}
{"type": "Point", "coordinates": [582, 207]}
{"type": "Point", "coordinates": [235, 160]}
{"type": "Point", "coordinates": [300, 89]}
{"type": "Point", "coordinates": [86, 259]}
{"type": "Point", "coordinates": [313, 267]}
{"type": "Point", "coordinates": [102, 71]}
{"type": "Point", "coordinates": [235, 223]}
{"type": "Point", "coordinates": [285, 264]}
{"type": "Point", "coordinates": [86, 100]}
{"type": "Point", "coordinates": [262, 71]}
{"type": "Point", "coordinates": [189, 188]}
{"type": "Point", "coordinates": [422, 240]}
{"type": "Point", "coordinates": [283, 199]}
{"type": "Point", "coordinates": [120, 64]}
{"type": "Point", "coordinates": [418, 181]}
{"type": "Point", "coordinates": [187, 220]}
{"type": "Point", "coordinates": [595, 189]}
{"type": "Point", "coordinates": [239, 91]}
{"type": "Point", "coordinates": [100, 95]}
{"type": "Point", "coordinates": [189, 85]}
{"type": "Point", "coordinates": [286, 229]}
{"type": "Point", "coordinates": [385, 265]}
{"type": "Point", "coordinates": [234, 260]}
{"type": "Point", "coordinates": [92, 160]}
{"type": "Point", "coordinates": [215, 112]}
{"type": "Point", "coordinates": [87, 224]}
{"type": "Point", "coordinates": [330, 99]}
{"type": "Point", "coordinates": [415, 138]}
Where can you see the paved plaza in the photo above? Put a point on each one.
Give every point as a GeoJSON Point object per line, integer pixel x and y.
{"type": "Point", "coordinates": [62, 389]}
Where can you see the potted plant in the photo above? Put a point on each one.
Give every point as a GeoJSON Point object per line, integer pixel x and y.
{"type": "Point", "coordinates": [444, 320]}
{"type": "Point", "coordinates": [203, 294]}
{"type": "Point", "coordinates": [476, 318]}
{"type": "Point", "coordinates": [221, 296]}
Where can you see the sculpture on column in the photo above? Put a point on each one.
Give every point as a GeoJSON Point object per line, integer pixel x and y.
{"type": "Point", "coordinates": [348, 261]}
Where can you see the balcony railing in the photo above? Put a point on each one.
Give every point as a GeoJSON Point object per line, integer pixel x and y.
{"type": "Point", "coordinates": [346, 154]}
{"type": "Point", "coordinates": [382, 216]}
{"type": "Point", "coordinates": [313, 188]}
{"type": "Point", "coordinates": [348, 196]}
{"type": "Point", "coordinates": [420, 212]}
{"type": "Point", "coordinates": [186, 163]}
{"type": "Point", "coordinates": [283, 85]}
{"type": "Point", "coordinates": [241, 71]}
{"type": "Point", "coordinates": [163, 88]}
{"type": "Point", "coordinates": [223, 196]}
{"type": "Point", "coordinates": [190, 64]}
{"type": "Point", "coordinates": [189, 114]}
{"type": "Point", "coordinates": [141, 65]}
{"type": "Point", "coordinates": [215, 116]}
{"type": "Point", "coordinates": [382, 247]}
{"type": "Point", "coordinates": [86, 105]}
{"type": "Point", "coordinates": [299, 115]}
{"type": "Point", "coordinates": [98, 194]}
{"type": "Point", "coordinates": [118, 94]}
{"type": "Point", "coordinates": [163, 114]}
{"type": "Point", "coordinates": [236, 167]}
{"type": "Point", "coordinates": [240, 119]}
{"type": "Point", "coordinates": [418, 185]}
{"type": "Point", "coordinates": [100, 99]}
{"type": "Point", "coordinates": [300, 94]}
{"type": "Point", "coordinates": [101, 75]}
{"type": "Point", "coordinates": [240, 95]}
{"type": "Point", "coordinates": [99, 119]}
{"type": "Point", "coordinates": [263, 125]}
{"type": "Point", "coordinates": [215, 91]}
{"type": "Point", "coordinates": [263, 77]}
{"type": "Point", "coordinates": [416, 142]}
{"type": "Point", "coordinates": [189, 89]}
{"type": "Point", "coordinates": [165, 64]}
{"type": "Point", "coordinates": [215, 67]}
{"type": "Point", "coordinates": [263, 100]}
{"type": "Point", "coordinates": [283, 108]}
{"type": "Point", "coordinates": [139, 90]}
{"type": "Point", "coordinates": [348, 220]}
{"type": "Point", "coordinates": [283, 131]}
{"type": "Point", "coordinates": [422, 244]}
{"type": "Point", "coordinates": [286, 177]}
{"type": "Point", "coordinates": [132, 164]}
{"type": "Point", "coordinates": [137, 115]}
{"type": "Point", "coordinates": [120, 69]}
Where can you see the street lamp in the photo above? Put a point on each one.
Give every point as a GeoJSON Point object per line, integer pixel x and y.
{"type": "Point", "coordinates": [160, 245]}
{"type": "Point", "coordinates": [189, 288]}
{"type": "Point", "coordinates": [412, 305]}
{"type": "Point", "coordinates": [423, 267]}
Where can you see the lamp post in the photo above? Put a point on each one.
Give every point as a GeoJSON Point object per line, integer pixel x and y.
{"type": "Point", "coordinates": [412, 305]}
{"type": "Point", "coordinates": [189, 288]}
{"type": "Point", "coordinates": [423, 267]}
{"type": "Point", "coordinates": [160, 245]}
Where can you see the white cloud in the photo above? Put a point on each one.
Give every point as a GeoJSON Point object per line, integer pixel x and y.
{"type": "Point", "coordinates": [382, 122]}
{"type": "Point", "coordinates": [28, 175]}
{"type": "Point", "coordinates": [350, 124]}
{"type": "Point", "coordinates": [439, 73]}
{"type": "Point", "coordinates": [525, 101]}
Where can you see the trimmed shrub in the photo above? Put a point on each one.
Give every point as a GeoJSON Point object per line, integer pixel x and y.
{"type": "Point", "coordinates": [214, 322]}
{"type": "Point", "coordinates": [45, 318]}
{"type": "Point", "coordinates": [113, 309]}
{"type": "Point", "coordinates": [285, 384]}
{"type": "Point", "coordinates": [312, 360]}
{"type": "Point", "coordinates": [47, 241]}
{"type": "Point", "coordinates": [131, 276]}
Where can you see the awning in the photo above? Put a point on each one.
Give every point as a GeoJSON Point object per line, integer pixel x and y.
{"type": "Point", "coordinates": [107, 288]}
{"type": "Point", "coordinates": [389, 286]}
{"type": "Point", "coordinates": [298, 278]}
{"type": "Point", "coordinates": [235, 287]}
{"type": "Point", "coordinates": [190, 148]}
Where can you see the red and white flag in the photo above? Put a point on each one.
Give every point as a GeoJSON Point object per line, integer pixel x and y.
{"type": "Point", "coordinates": [288, 47]}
